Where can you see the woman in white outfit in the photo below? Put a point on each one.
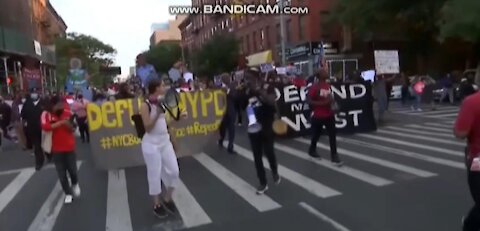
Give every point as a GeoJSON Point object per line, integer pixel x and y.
{"type": "Point", "coordinates": [158, 151]}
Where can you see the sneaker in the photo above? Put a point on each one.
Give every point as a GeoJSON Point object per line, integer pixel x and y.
{"type": "Point", "coordinates": [68, 199]}
{"type": "Point", "coordinates": [314, 155]}
{"type": "Point", "coordinates": [76, 190]}
{"type": "Point", "coordinates": [419, 109]}
{"type": "Point", "coordinates": [413, 109]}
{"type": "Point", "coordinates": [231, 151]}
{"type": "Point", "coordinates": [170, 207]}
{"type": "Point", "coordinates": [277, 179]}
{"type": "Point", "coordinates": [160, 211]}
{"type": "Point", "coordinates": [337, 163]}
{"type": "Point", "coordinates": [220, 144]}
{"type": "Point", "coordinates": [262, 189]}
{"type": "Point", "coordinates": [239, 124]}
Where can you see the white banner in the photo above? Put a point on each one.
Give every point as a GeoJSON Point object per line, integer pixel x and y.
{"type": "Point", "coordinates": [387, 62]}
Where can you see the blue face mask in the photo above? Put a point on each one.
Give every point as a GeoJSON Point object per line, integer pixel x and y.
{"type": "Point", "coordinates": [34, 96]}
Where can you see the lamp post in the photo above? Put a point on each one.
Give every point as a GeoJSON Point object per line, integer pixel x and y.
{"type": "Point", "coordinates": [282, 31]}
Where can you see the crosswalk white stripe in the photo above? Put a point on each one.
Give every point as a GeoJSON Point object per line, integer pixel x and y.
{"type": "Point", "coordinates": [118, 209]}
{"type": "Point", "coordinates": [438, 112]}
{"type": "Point", "coordinates": [419, 132]}
{"type": "Point", "coordinates": [304, 182]}
{"type": "Point", "coordinates": [414, 145]}
{"type": "Point", "coordinates": [243, 189]}
{"type": "Point", "coordinates": [48, 213]}
{"type": "Point", "coordinates": [9, 192]}
{"type": "Point", "coordinates": [12, 171]}
{"type": "Point", "coordinates": [449, 122]}
{"type": "Point", "coordinates": [447, 126]}
{"type": "Point", "coordinates": [191, 212]}
{"type": "Point", "coordinates": [448, 131]}
{"type": "Point", "coordinates": [384, 163]}
{"type": "Point", "coordinates": [409, 110]}
{"type": "Point", "coordinates": [405, 153]}
{"type": "Point", "coordinates": [323, 217]}
{"type": "Point", "coordinates": [355, 173]}
{"type": "Point", "coordinates": [443, 115]}
{"type": "Point", "coordinates": [432, 139]}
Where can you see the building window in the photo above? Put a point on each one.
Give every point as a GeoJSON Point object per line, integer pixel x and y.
{"type": "Point", "coordinates": [302, 20]}
{"type": "Point", "coordinates": [254, 41]}
{"type": "Point", "coordinates": [262, 39]}
{"type": "Point", "coordinates": [288, 28]}
{"type": "Point", "coordinates": [247, 50]}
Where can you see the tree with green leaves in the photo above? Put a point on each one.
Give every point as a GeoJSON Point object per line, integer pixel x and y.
{"type": "Point", "coordinates": [163, 56]}
{"type": "Point", "coordinates": [461, 19]}
{"type": "Point", "coordinates": [217, 56]}
{"type": "Point", "coordinates": [93, 53]}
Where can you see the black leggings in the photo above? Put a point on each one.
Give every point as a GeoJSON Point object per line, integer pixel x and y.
{"type": "Point", "coordinates": [317, 128]}
{"type": "Point", "coordinates": [66, 162]}
{"type": "Point", "coordinates": [83, 129]}
{"type": "Point", "coordinates": [262, 143]}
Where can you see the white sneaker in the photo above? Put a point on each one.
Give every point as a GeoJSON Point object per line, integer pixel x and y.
{"type": "Point", "coordinates": [419, 109]}
{"type": "Point", "coordinates": [68, 199]}
{"type": "Point", "coordinates": [76, 190]}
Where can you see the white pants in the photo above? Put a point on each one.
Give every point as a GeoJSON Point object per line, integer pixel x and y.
{"type": "Point", "coordinates": [162, 166]}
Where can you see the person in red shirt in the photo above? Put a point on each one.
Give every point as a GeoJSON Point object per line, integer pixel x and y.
{"type": "Point", "coordinates": [467, 127]}
{"type": "Point", "coordinates": [321, 99]}
{"type": "Point", "coordinates": [57, 120]}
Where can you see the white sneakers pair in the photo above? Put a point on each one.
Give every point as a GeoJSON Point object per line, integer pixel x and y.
{"type": "Point", "coordinates": [76, 193]}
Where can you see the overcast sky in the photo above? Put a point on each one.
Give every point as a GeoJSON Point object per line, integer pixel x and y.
{"type": "Point", "coordinates": [124, 24]}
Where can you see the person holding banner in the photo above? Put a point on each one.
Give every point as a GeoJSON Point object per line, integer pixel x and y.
{"type": "Point", "coordinates": [228, 121]}
{"type": "Point", "coordinates": [321, 101]}
{"type": "Point", "coordinates": [158, 151]}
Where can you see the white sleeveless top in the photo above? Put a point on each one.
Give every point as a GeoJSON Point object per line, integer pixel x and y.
{"type": "Point", "coordinates": [159, 133]}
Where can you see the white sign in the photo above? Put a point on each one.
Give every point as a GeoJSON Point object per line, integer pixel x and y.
{"type": "Point", "coordinates": [38, 47]}
{"type": "Point", "coordinates": [281, 70]}
{"type": "Point", "coordinates": [387, 62]}
{"type": "Point", "coordinates": [369, 75]}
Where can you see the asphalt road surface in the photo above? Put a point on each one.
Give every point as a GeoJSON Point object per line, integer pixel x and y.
{"type": "Point", "coordinates": [407, 176]}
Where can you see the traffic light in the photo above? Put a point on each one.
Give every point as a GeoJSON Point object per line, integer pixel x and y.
{"type": "Point", "coordinates": [9, 81]}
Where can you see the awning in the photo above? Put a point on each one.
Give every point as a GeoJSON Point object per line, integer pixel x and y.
{"type": "Point", "coordinates": [260, 58]}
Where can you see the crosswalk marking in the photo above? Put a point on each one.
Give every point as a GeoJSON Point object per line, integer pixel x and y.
{"type": "Point", "coordinates": [444, 130]}
{"type": "Point", "coordinates": [357, 174]}
{"type": "Point", "coordinates": [443, 115]}
{"type": "Point", "coordinates": [118, 209]}
{"type": "Point", "coordinates": [324, 217]}
{"type": "Point", "coordinates": [415, 145]}
{"type": "Point", "coordinates": [449, 122]}
{"type": "Point", "coordinates": [12, 171]}
{"type": "Point", "coordinates": [48, 213]}
{"type": "Point", "coordinates": [432, 139]}
{"type": "Point", "coordinates": [14, 187]}
{"type": "Point", "coordinates": [447, 126]}
{"type": "Point", "coordinates": [384, 163]}
{"type": "Point", "coordinates": [191, 212]}
{"type": "Point", "coordinates": [243, 189]}
{"type": "Point", "coordinates": [304, 182]}
{"type": "Point", "coordinates": [408, 110]}
{"type": "Point", "coordinates": [437, 112]}
{"type": "Point", "coordinates": [400, 152]}
{"type": "Point", "coordinates": [419, 132]}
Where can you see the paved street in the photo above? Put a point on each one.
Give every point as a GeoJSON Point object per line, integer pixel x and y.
{"type": "Point", "coordinates": [407, 176]}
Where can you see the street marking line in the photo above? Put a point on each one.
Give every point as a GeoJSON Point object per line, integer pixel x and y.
{"type": "Point", "coordinates": [449, 131]}
{"type": "Point", "coordinates": [355, 173]}
{"type": "Point", "coordinates": [432, 139]}
{"type": "Point", "coordinates": [243, 189]}
{"type": "Point", "coordinates": [437, 112]}
{"type": "Point", "coordinates": [447, 126]}
{"type": "Point", "coordinates": [49, 166]}
{"type": "Point", "coordinates": [449, 122]}
{"type": "Point", "coordinates": [451, 136]}
{"type": "Point", "coordinates": [48, 213]}
{"type": "Point", "coordinates": [443, 115]}
{"type": "Point", "coordinates": [304, 182]}
{"type": "Point", "coordinates": [401, 152]}
{"type": "Point", "coordinates": [9, 192]}
{"type": "Point", "coordinates": [414, 145]}
{"type": "Point", "coordinates": [410, 112]}
{"type": "Point", "coordinates": [384, 163]}
{"type": "Point", "coordinates": [323, 217]}
{"type": "Point", "coordinates": [191, 212]}
{"type": "Point", "coordinates": [118, 209]}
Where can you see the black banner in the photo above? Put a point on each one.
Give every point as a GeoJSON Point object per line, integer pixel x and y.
{"type": "Point", "coordinates": [355, 114]}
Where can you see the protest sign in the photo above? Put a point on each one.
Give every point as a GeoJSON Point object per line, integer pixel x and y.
{"type": "Point", "coordinates": [114, 142]}
{"type": "Point", "coordinates": [355, 114]}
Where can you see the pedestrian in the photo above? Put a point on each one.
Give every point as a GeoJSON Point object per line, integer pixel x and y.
{"type": "Point", "coordinates": [428, 96]}
{"type": "Point", "coordinates": [417, 90]}
{"type": "Point", "coordinates": [158, 151]}
{"type": "Point", "coordinates": [31, 115]}
{"type": "Point", "coordinates": [321, 101]}
{"type": "Point", "coordinates": [228, 121]}
{"type": "Point", "coordinates": [381, 96]}
{"type": "Point", "coordinates": [262, 102]}
{"type": "Point", "coordinates": [124, 92]}
{"type": "Point", "coordinates": [57, 119]}
{"type": "Point", "coordinates": [405, 89]}
{"type": "Point", "coordinates": [467, 127]}
{"type": "Point", "coordinates": [5, 118]}
{"type": "Point", "coordinates": [145, 71]}
{"type": "Point", "coordinates": [79, 108]}
{"type": "Point", "coordinates": [447, 84]}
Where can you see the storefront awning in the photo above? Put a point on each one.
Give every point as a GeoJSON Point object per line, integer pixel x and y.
{"type": "Point", "coordinates": [260, 58]}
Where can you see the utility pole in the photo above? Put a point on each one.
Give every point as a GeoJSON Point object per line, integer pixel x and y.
{"type": "Point", "coordinates": [282, 31]}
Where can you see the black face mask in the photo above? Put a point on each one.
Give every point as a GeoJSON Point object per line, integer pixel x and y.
{"type": "Point", "coordinates": [58, 112]}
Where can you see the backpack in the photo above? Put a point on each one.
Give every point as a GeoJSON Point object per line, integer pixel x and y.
{"type": "Point", "coordinates": [138, 122]}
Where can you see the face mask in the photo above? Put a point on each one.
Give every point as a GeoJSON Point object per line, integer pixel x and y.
{"type": "Point", "coordinates": [58, 112]}
{"type": "Point", "coordinates": [34, 96]}
{"type": "Point", "coordinates": [23, 100]}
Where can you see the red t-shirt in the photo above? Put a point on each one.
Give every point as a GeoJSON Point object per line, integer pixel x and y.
{"type": "Point", "coordinates": [469, 120]}
{"type": "Point", "coordinates": [299, 82]}
{"type": "Point", "coordinates": [321, 92]}
{"type": "Point", "coordinates": [63, 139]}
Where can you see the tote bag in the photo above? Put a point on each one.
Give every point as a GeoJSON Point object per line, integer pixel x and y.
{"type": "Point", "coordinates": [46, 136]}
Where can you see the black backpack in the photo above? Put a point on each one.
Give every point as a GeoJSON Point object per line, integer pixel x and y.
{"type": "Point", "coordinates": [138, 122]}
